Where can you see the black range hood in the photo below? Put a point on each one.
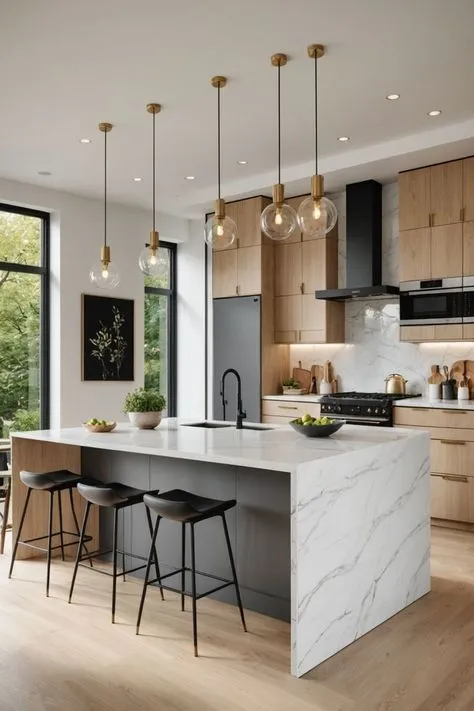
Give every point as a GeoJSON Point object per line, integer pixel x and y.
{"type": "Point", "coordinates": [363, 246]}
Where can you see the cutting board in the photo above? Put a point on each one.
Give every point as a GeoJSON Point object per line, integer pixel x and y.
{"type": "Point", "coordinates": [436, 377]}
{"type": "Point", "coordinates": [457, 370]}
{"type": "Point", "coordinates": [303, 376]}
{"type": "Point", "coordinates": [317, 371]}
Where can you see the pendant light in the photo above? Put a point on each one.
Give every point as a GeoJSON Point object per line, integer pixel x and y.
{"type": "Point", "coordinates": [149, 261]}
{"type": "Point", "coordinates": [220, 230]}
{"type": "Point", "coordinates": [105, 274]}
{"type": "Point", "coordinates": [278, 220]}
{"type": "Point", "coordinates": [317, 214]}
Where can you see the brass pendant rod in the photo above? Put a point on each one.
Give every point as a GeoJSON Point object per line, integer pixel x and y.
{"type": "Point", "coordinates": [316, 113]}
{"type": "Point", "coordinates": [153, 181]}
{"type": "Point", "coordinates": [279, 123]}
{"type": "Point", "coordinates": [218, 141]}
{"type": "Point", "coordinates": [105, 188]}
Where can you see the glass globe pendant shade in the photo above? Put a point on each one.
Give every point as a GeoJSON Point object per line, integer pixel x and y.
{"type": "Point", "coordinates": [278, 220]}
{"type": "Point", "coordinates": [150, 263]}
{"type": "Point", "coordinates": [220, 231]}
{"type": "Point", "coordinates": [317, 216]}
{"type": "Point", "coordinates": [104, 275]}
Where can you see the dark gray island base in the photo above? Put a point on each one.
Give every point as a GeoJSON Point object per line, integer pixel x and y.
{"type": "Point", "coordinates": [259, 526]}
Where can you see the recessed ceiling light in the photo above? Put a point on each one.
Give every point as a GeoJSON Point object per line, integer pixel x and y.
{"type": "Point", "coordinates": [435, 112]}
{"type": "Point", "coordinates": [44, 172]}
{"type": "Point", "coordinates": [242, 162]}
{"type": "Point", "coordinates": [343, 139]}
{"type": "Point", "coordinates": [393, 97]}
{"type": "Point", "coordinates": [137, 180]}
{"type": "Point", "coordinates": [85, 140]}
{"type": "Point", "coordinates": [190, 177]}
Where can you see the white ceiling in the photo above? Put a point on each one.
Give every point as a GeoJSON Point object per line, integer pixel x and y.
{"type": "Point", "coordinates": [68, 65]}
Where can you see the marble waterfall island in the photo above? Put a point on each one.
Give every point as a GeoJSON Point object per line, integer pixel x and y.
{"type": "Point", "coordinates": [329, 534]}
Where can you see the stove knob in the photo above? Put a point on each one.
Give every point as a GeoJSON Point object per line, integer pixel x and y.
{"type": "Point", "coordinates": [369, 410]}
{"type": "Point", "coordinates": [376, 410]}
{"type": "Point", "coordinates": [339, 408]}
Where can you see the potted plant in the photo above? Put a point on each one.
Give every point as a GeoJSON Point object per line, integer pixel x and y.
{"type": "Point", "coordinates": [292, 387]}
{"type": "Point", "coordinates": [144, 408]}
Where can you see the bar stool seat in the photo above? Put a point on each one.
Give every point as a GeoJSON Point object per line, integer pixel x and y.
{"type": "Point", "coordinates": [53, 482]}
{"type": "Point", "coordinates": [118, 497]}
{"type": "Point", "coordinates": [188, 508]}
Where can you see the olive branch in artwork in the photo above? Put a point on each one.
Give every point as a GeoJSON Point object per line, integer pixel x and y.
{"type": "Point", "coordinates": [109, 345]}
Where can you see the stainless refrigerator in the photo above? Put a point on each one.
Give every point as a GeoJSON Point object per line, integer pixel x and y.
{"type": "Point", "coordinates": [236, 344]}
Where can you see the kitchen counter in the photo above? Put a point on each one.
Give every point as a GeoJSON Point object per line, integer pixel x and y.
{"type": "Point", "coordinates": [440, 404]}
{"type": "Point", "coordinates": [331, 534]}
{"type": "Point", "coordinates": [293, 398]}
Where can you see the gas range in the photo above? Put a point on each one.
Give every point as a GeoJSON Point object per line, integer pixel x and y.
{"type": "Point", "coordinates": [361, 408]}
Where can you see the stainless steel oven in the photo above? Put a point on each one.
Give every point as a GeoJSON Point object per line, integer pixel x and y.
{"type": "Point", "coordinates": [468, 299]}
{"type": "Point", "coordinates": [435, 301]}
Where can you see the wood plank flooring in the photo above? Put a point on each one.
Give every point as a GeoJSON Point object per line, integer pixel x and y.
{"type": "Point", "coordinates": [60, 657]}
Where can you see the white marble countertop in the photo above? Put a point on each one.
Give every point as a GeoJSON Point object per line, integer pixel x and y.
{"type": "Point", "coordinates": [293, 398]}
{"type": "Point", "coordinates": [440, 404]}
{"type": "Point", "coordinates": [279, 448]}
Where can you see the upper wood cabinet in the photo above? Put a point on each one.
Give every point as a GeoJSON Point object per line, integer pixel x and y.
{"type": "Point", "coordinates": [224, 273]}
{"type": "Point", "coordinates": [446, 193]}
{"type": "Point", "coordinates": [468, 249]}
{"type": "Point", "coordinates": [446, 251]}
{"type": "Point", "coordinates": [288, 269]}
{"type": "Point", "coordinates": [468, 188]}
{"type": "Point", "coordinates": [414, 199]}
{"type": "Point", "coordinates": [414, 248]}
{"type": "Point", "coordinates": [246, 215]}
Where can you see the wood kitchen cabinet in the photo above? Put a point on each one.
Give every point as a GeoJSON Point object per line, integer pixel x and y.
{"type": "Point", "coordinates": [446, 198]}
{"type": "Point", "coordinates": [415, 254]}
{"type": "Point", "coordinates": [246, 215]}
{"type": "Point", "coordinates": [288, 269]}
{"type": "Point", "coordinates": [431, 253]}
{"type": "Point", "coordinates": [468, 248]}
{"type": "Point", "coordinates": [414, 199]}
{"type": "Point", "coordinates": [224, 273]}
{"type": "Point", "coordinates": [468, 188]}
{"type": "Point", "coordinates": [420, 334]}
{"type": "Point", "coordinates": [452, 451]}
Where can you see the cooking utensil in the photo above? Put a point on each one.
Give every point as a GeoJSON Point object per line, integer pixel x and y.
{"type": "Point", "coordinates": [303, 376]}
{"type": "Point", "coordinates": [435, 377]}
{"type": "Point", "coordinates": [317, 430]}
{"type": "Point", "coordinates": [395, 384]}
{"type": "Point", "coordinates": [446, 372]}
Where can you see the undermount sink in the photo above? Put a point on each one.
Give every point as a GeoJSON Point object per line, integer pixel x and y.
{"type": "Point", "coordinates": [218, 425]}
{"type": "Point", "coordinates": [207, 425]}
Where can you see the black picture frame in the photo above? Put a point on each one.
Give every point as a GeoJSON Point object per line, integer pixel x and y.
{"type": "Point", "coordinates": [108, 328]}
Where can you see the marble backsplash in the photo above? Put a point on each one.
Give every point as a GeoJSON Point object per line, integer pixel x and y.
{"type": "Point", "coordinates": [373, 349]}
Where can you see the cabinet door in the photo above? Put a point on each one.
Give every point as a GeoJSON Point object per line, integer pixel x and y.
{"type": "Point", "coordinates": [295, 202]}
{"type": "Point", "coordinates": [249, 271]}
{"type": "Point", "coordinates": [468, 249]}
{"type": "Point", "coordinates": [287, 319]}
{"type": "Point", "coordinates": [468, 188]}
{"type": "Point", "coordinates": [446, 193]}
{"type": "Point", "coordinates": [288, 272]}
{"type": "Point", "coordinates": [224, 273]}
{"type": "Point", "coordinates": [313, 320]}
{"type": "Point", "coordinates": [417, 334]}
{"type": "Point", "coordinates": [248, 222]}
{"type": "Point", "coordinates": [414, 199]}
{"type": "Point", "coordinates": [452, 497]}
{"type": "Point", "coordinates": [415, 254]}
{"type": "Point", "coordinates": [314, 265]}
{"type": "Point", "coordinates": [446, 251]}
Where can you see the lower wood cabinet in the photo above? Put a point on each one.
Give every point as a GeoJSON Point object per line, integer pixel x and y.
{"type": "Point", "coordinates": [282, 411]}
{"type": "Point", "coordinates": [419, 334]}
{"type": "Point", "coordinates": [452, 497]}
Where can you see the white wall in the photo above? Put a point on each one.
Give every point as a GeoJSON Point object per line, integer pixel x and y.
{"type": "Point", "coordinates": [76, 236]}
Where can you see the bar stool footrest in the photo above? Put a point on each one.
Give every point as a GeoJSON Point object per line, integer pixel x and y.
{"type": "Point", "coordinates": [225, 582]}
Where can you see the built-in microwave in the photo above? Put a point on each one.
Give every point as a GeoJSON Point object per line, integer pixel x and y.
{"type": "Point", "coordinates": [436, 301]}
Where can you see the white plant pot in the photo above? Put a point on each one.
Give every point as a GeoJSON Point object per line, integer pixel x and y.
{"type": "Point", "coordinates": [145, 420]}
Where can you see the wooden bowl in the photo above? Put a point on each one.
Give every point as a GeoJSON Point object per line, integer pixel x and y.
{"type": "Point", "coordinates": [108, 427]}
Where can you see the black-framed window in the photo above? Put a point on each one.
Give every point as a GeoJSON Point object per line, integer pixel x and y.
{"type": "Point", "coordinates": [160, 328]}
{"type": "Point", "coordinates": [24, 318]}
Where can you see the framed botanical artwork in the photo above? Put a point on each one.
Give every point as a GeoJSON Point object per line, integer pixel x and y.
{"type": "Point", "coordinates": [107, 338]}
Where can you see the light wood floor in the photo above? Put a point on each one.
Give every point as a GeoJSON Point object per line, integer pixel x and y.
{"type": "Point", "coordinates": [59, 657]}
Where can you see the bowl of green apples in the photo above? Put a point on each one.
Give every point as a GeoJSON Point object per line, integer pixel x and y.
{"type": "Point", "coordinates": [95, 425]}
{"type": "Point", "coordinates": [316, 426]}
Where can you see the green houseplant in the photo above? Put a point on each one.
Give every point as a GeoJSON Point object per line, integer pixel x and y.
{"type": "Point", "coordinates": [291, 386]}
{"type": "Point", "coordinates": [144, 408]}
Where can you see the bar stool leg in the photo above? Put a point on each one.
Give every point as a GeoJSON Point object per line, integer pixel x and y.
{"type": "Point", "coordinates": [193, 587]}
{"type": "Point", "coordinates": [155, 554]}
{"type": "Point", "coordinates": [6, 511]}
{"type": "Point", "coordinates": [61, 533]}
{"type": "Point", "coordinates": [234, 572]}
{"type": "Point", "coordinates": [18, 536]}
{"type": "Point", "coordinates": [50, 534]}
{"type": "Point", "coordinates": [183, 564]}
{"type": "Point", "coordinates": [79, 549]}
{"type": "Point", "coordinates": [114, 578]}
{"type": "Point", "coordinates": [76, 522]}
{"type": "Point", "coordinates": [147, 572]}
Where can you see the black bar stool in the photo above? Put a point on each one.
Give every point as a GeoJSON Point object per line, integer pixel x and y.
{"type": "Point", "coordinates": [182, 506]}
{"type": "Point", "coordinates": [52, 482]}
{"type": "Point", "coordinates": [117, 497]}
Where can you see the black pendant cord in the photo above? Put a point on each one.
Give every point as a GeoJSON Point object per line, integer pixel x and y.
{"type": "Point", "coordinates": [219, 141]}
{"type": "Point", "coordinates": [105, 188]}
{"type": "Point", "coordinates": [153, 181]}
{"type": "Point", "coordinates": [315, 114]}
{"type": "Point", "coordinates": [279, 125]}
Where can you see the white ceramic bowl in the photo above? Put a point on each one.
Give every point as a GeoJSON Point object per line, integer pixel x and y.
{"type": "Point", "coordinates": [145, 420]}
